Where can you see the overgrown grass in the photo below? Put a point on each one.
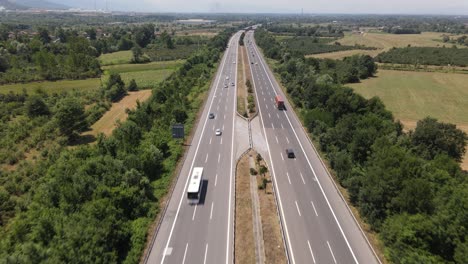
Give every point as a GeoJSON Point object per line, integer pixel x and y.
{"type": "Point", "coordinates": [158, 53]}
{"type": "Point", "coordinates": [52, 87]}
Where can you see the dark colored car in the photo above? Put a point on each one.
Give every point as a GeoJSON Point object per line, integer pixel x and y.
{"type": "Point", "coordinates": [211, 116]}
{"type": "Point", "coordinates": [290, 153]}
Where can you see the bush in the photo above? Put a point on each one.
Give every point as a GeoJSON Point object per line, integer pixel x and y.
{"type": "Point", "coordinates": [253, 171]}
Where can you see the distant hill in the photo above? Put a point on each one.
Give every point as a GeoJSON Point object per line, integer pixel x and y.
{"type": "Point", "coordinates": [10, 6]}
{"type": "Point", "coordinates": [25, 4]}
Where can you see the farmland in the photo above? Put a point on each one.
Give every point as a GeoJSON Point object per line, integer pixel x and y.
{"type": "Point", "coordinates": [412, 96]}
{"type": "Point", "coordinates": [119, 57]}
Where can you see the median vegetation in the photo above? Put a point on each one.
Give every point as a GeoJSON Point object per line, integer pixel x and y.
{"type": "Point", "coordinates": [94, 203]}
{"type": "Point", "coordinates": [408, 186]}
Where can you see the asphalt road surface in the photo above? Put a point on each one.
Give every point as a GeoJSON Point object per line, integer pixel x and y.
{"type": "Point", "coordinates": [318, 226]}
{"type": "Point", "coordinates": [203, 233]}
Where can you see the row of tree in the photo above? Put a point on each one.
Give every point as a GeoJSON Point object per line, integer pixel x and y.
{"type": "Point", "coordinates": [408, 186]}
{"type": "Point", "coordinates": [425, 56]}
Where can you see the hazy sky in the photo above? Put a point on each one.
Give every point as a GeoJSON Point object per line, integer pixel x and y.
{"type": "Point", "coordinates": [284, 6]}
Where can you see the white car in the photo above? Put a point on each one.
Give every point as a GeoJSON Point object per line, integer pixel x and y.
{"type": "Point", "coordinates": [227, 77]}
{"type": "Point", "coordinates": [233, 62]}
{"type": "Point", "coordinates": [218, 132]}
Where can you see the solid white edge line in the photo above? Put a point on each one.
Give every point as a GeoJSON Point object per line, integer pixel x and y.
{"type": "Point", "coordinates": [331, 251]}
{"type": "Point", "coordinates": [283, 218]}
{"type": "Point", "coordinates": [232, 160]}
{"type": "Point", "coordinates": [297, 207]}
{"type": "Point", "coordinates": [313, 171]}
{"type": "Point", "coordinates": [185, 253]}
{"type": "Point", "coordinates": [193, 161]}
{"type": "Point", "coordinates": [311, 252]}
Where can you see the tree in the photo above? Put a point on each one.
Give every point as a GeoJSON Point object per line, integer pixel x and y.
{"type": "Point", "coordinates": [115, 87]}
{"type": "Point", "coordinates": [432, 138]}
{"type": "Point", "coordinates": [262, 170]}
{"type": "Point", "coordinates": [70, 116]}
{"type": "Point", "coordinates": [137, 52]}
{"type": "Point", "coordinates": [35, 106]}
{"type": "Point", "coordinates": [91, 32]}
{"type": "Point", "coordinates": [132, 86]}
{"type": "Point", "coordinates": [43, 35]}
{"type": "Point", "coordinates": [4, 60]}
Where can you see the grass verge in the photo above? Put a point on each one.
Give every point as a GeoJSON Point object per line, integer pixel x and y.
{"type": "Point", "coordinates": [275, 252]}
{"type": "Point", "coordinates": [244, 234]}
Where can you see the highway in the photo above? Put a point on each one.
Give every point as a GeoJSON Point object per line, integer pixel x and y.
{"type": "Point", "coordinates": [318, 226]}
{"type": "Point", "coordinates": [203, 233]}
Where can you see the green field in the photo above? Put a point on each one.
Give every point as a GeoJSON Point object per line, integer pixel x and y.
{"type": "Point", "coordinates": [52, 87]}
{"type": "Point", "coordinates": [146, 79]}
{"type": "Point", "coordinates": [158, 65]}
{"type": "Point", "coordinates": [414, 95]}
{"type": "Point", "coordinates": [119, 57]}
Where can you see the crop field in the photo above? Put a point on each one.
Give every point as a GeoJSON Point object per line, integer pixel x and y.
{"type": "Point", "coordinates": [52, 87]}
{"type": "Point", "coordinates": [118, 57]}
{"type": "Point", "coordinates": [412, 96]}
{"type": "Point", "coordinates": [342, 54]}
{"type": "Point", "coordinates": [387, 41]}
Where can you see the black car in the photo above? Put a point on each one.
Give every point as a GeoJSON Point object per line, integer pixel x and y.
{"type": "Point", "coordinates": [290, 153]}
{"type": "Point", "coordinates": [211, 116]}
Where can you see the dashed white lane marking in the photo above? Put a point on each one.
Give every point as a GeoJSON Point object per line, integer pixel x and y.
{"type": "Point", "coordinates": [206, 252]}
{"type": "Point", "coordinates": [223, 127]}
{"type": "Point", "coordinates": [282, 127]}
{"type": "Point", "coordinates": [225, 117]}
{"type": "Point", "coordinates": [302, 177]}
{"type": "Point", "coordinates": [264, 99]}
{"type": "Point", "coordinates": [277, 139]}
{"type": "Point", "coordinates": [277, 115]}
{"type": "Point", "coordinates": [185, 253]}
{"type": "Point", "coordinates": [206, 159]}
{"type": "Point", "coordinates": [289, 179]}
{"type": "Point", "coordinates": [314, 208]}
{"type": "Point", "coordinates": [221, 141]}
{"type": "Point", "coordinates": [219, 157]}
{"type": "Point", "coordinates": [216, 179]}
{"type": "Point", "coordinates": [272, 125]}
{"type": "Point", "coordinates": [269, 115]}
{"type": "Point", "coordinates": [282, 155]}
{"type": "Point", "coordinates": [311, 252]}
{"type": "Point", "coordinates": [210, 140]}
{"type": "Point", "coordinates": [331, 251]}
{"type": "Point", "coordinates": [299, 211]}
{"type": "Point", "coordinates": [194, 211]}
{"type": "Point", "coordinates": [266, 106]}
{"type": "Point", "coordinates": [287, 139]}
{"type": "Point", "coordinates": [211, 213]}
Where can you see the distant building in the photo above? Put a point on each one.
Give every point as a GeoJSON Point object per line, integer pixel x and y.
{"type": "Point", "coordinates": [195, 21]}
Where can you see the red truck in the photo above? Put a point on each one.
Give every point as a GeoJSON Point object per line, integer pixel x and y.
{"type": "Point", "coordinates": [279, 102]}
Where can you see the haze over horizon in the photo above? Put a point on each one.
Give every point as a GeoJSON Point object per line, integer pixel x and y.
{"type": "Point", "coordinates": [454, 7]}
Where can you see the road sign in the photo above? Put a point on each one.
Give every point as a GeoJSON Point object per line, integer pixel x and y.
{"type": "Point", "coordinates": [178, 131]}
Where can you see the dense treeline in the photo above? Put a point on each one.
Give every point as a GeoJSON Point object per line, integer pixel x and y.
{"type": "Point", "coordinates": [425, 56]}
{"type": "Point", "coordinates": [408, 187]}
{"type": "Point", "coordinates": [460, 40]}
{"type": "Point", "coordinates": [348, 70]}
{"type": "Point", "coordinates": [314, 45]}
{"type": "Point", "coordinates": [93, 204]}
{"type": "Point", "coordinates": [316, 31]}
{"type": "Point", "coordinates": [400, 31]}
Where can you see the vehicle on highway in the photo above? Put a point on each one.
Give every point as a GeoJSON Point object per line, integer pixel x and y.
{"type": "Point", "coordinates": [256, 63]}
{"type": "Point", "coordinates": [225, 85]}
{"type": "Point", "coordinates": [232, 84]}
{"type": "Point", "coordinates": [290, 153]}
{"type": "Point", "coordinates": [279, 102]}
{"type": "Point", "coordinates": [211, 116]}
{"type": "Point", "coordinates": [218, 132]}
{"type": "Point", "coordinates": [252, 62]}
{"type": "Point", "coordinates": [227, 77]}
{"type": "Point", "coordinates": [233, 62]}
{"type": "Point", "coordinates": [194, 189]}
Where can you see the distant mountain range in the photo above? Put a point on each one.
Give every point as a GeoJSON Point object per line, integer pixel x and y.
{"type": "Point", "coordinates": [25, 4]}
